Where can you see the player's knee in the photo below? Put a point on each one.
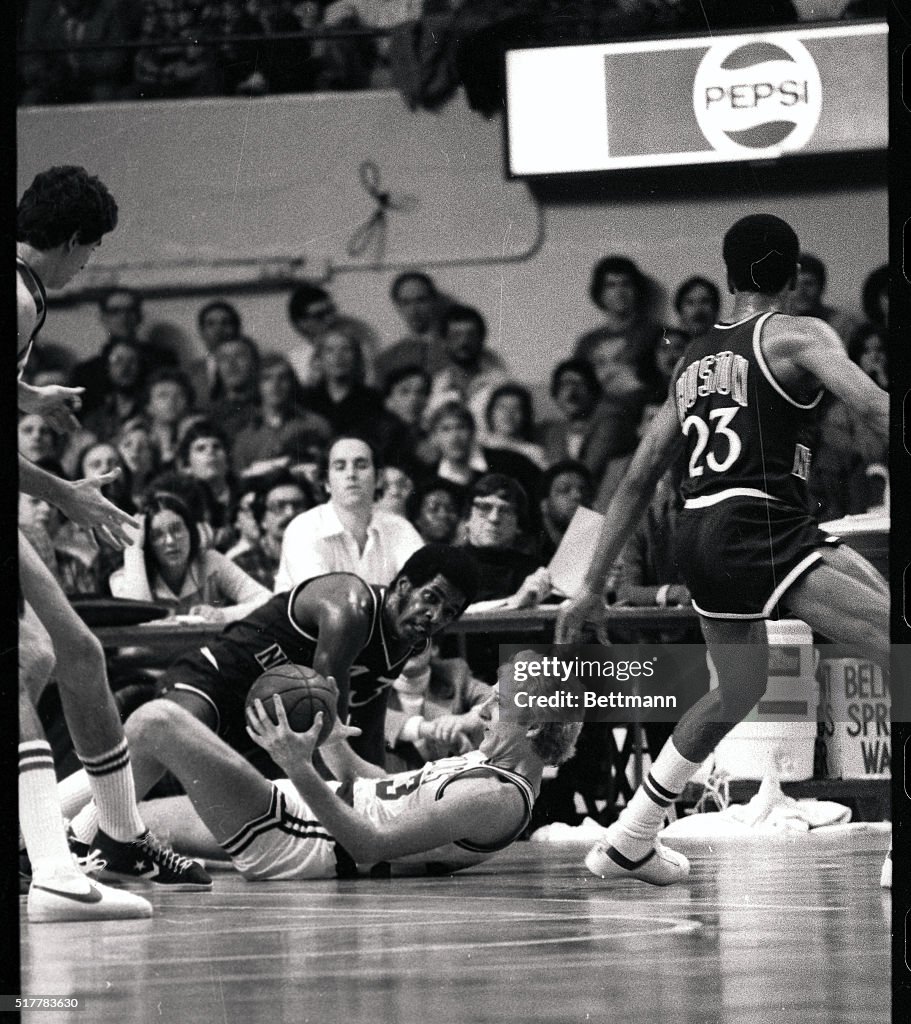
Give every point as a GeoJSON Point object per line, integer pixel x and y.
{"type": "Point", "coordinates": [36, 666]}
{"type": "Point", "coordinates": [82, 652]}
{"type": "Point", "coordinates": [151, 720]}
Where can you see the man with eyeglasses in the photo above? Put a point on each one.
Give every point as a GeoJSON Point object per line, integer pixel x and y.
{"type": "Point", "coordinates": [273, 505]}
{"type": "Point", "coordinates": [498, 510]}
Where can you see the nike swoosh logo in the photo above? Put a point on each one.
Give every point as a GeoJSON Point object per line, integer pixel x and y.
{"type": "Point", "coordinates": [92, 896]}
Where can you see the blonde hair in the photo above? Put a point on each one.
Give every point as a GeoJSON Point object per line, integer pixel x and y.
{"type": "Point", "coordinates": [555, 742]}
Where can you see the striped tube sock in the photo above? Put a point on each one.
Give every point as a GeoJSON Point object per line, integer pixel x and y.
{"type": "Point", "coordinates": [74, 792]}
{"type": "Point", "coordinates": [111, 779]}
{"type": "Point", "coordinates": [85, 823]}
{"type": "Point", "coordinates": [39, 814]}
{"type": "Point", "coordinates": [641, 820]}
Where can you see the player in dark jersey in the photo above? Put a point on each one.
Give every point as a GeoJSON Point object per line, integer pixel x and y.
{"type": "Point", "coordinates": [448, 815]}
{"type": "Point", "coordinates": [741, 412]}
{"type": "Point", "coordinates": [60, 222]}
{"type": "Point", "coordinates": [360, 634]}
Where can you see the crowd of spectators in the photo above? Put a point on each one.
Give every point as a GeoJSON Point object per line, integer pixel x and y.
{"type": "Point", "coordinates": [248, 481]}
{"type": "Point", "coordinates": [77, 51]}
{"type": "Point", "coordinates": [442, 446]}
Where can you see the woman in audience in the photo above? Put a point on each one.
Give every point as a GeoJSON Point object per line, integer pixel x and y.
{"type": "Point", "coordinates": [436, 509]}
{"type": "Point", "coordinates": [37, 439]}
{"type": "Point", "coordinates": [84, 561]}
{"type": "Point", "coordinates": [139, 455]}
{"type": "Point", "coordinates": [168, 564]}
{"type": "Point", "coordinates": [397, 486]}
{"type": "Point", "coordinates": [75, 570]}
{"type": "Point", "coordinates": [169, 400]}
{"type": "Point", "coordinates": [99, 458]}
{"type": "Point", "coordinates": [510, 423]}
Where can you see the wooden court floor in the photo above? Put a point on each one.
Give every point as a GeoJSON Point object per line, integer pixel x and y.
{"type": "Point", "coordinates": [755, 936]}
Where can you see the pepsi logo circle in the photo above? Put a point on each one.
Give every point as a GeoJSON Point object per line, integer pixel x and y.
{"type": "Point", "coordinates": [759, 96]}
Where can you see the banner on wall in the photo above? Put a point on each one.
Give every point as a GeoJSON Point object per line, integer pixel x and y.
{"type": "Point", "coordinates": [697, 100]}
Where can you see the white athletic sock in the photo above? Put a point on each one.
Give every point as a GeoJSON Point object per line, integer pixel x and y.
{"type": "Point", "coordinates": [111, 779]}
{"type": "Point", "coordinates": [85, 824]}
{"type": "Point", "coordinates": [41, 821]}
{"type": "Point", "coordinates": [74, 792]}
{"type": "Point", "coordinates": [634, 832]}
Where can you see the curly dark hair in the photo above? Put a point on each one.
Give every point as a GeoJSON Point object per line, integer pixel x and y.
{"type": "Point", "coordinates": [62, 202]}
{"type": "Point", "coordinates": [616, 265]}
{"type": "Point", "coordinates": [454, 564]}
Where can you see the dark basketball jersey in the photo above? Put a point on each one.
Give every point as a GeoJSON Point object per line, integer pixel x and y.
{"type": "Point", "coordinates": [745, 436]}
{"type": "Point", "coordinates": [36, 289]}
{"type": "Point", "coordinates": [269, 636]}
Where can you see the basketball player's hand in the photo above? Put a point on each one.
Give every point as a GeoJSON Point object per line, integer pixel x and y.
{"type": "Point", "coordinates": [53, 402]}
{"type": "Point", "coordinates": [286, 747]}
{"type": "Point", "coordinates": [573, 615]}
{"type": "Point", "coordinates": [85, 505]}
{"type": "Point", "coordinates": [444, 729]}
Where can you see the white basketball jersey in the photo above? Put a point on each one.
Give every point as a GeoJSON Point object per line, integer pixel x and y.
{"type": "Point", "coordinates": [382, 800]}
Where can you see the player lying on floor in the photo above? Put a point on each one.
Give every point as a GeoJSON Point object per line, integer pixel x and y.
{"type": "Point", "coordinates": [359, 634]}
{"type": "Point", "coordinates": [448, 815]}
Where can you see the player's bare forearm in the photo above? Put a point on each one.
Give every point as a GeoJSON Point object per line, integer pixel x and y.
{"type": "Point", "coordinates": [654, 455]}
{"type": "Point", "coordinates": [357, 834]}
{"type": "Point", "coordinates": [345, 765]}
{"type": "Point", "coordinates": [40, 484]}
{"type": "Point", "coordinates": [56, 403]}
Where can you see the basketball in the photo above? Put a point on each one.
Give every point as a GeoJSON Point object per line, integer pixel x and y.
{"type": "Point", "coordinates": [303, 692]}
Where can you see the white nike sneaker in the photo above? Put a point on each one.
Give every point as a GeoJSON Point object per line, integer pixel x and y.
{"type": "Point", "coordinates": [660, 866]}
{"type": "Point", "coordinates": [885, 876]}
{"type": "Point", "coordinates": [48, 904]}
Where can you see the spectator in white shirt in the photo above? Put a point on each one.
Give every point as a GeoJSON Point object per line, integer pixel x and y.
{"type": "Point", "coordinates": [347, 533]}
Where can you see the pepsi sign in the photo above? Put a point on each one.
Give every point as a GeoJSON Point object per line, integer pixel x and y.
{"type": "Point", "coordinates": [757, 96]}
{"type": "Point", "coordinates": [696, 100]}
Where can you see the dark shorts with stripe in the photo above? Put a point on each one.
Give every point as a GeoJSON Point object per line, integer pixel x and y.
{"type": "Point", "coordinates": [192, 673]}
{"type": "Point", "coordinates": [740, 556]}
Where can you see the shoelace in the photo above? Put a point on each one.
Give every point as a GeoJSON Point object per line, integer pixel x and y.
{"type": "Point", "coordinates": [165, 855]}
{"type": "Point", "coordinates": [716, 790]}
{"type": "Point", "coordinates": [90, 864]}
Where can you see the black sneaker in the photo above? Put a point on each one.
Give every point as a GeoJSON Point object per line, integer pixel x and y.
{"type": "Point", "coordinates": [146, 859]}
{"type": "Point", "coordinates": [80, 850]}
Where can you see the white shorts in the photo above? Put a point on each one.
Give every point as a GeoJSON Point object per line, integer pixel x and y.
{"type": "Point", "coordinates": [286, 843]}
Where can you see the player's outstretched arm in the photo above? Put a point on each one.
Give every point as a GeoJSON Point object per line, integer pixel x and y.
{"type": "Point", "coordinates": [816, 348]}
{"type": "Point", "coordinates": [81, 501]}
{"type": "Point", "coordinates": [656, 451]}
{"type": "Point", "coordinates": [338, 608]}
{"type": "Point", "coordinates": [54, 402]}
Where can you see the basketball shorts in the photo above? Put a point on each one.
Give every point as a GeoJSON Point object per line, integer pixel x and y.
{"type": "Point", "coordinates": [740, 556]}
{"type": "Point", "coordinates": [198, 673]}
{"type": "Point", "coordinates": [287, 843]}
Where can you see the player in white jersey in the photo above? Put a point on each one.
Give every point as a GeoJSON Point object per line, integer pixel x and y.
{"type": "Point", "coordinates": [60, 221]}
{"type": "Point", "coordinates": [448, 815]}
